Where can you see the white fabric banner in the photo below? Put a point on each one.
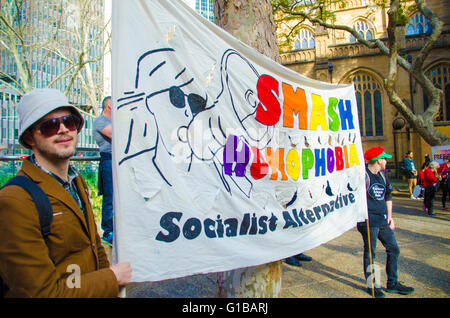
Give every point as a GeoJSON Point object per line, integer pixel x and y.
{"type": "Point", "coordinates": [222, 158]}
{"type": "Point", "coordinates": [438, 153]}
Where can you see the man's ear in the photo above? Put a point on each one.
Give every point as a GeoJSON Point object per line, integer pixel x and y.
{"type": "Point", "coordinates": [28, 138]}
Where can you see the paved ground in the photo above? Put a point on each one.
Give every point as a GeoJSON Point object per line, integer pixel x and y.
{"type": "Point", "coordinates": [336, 269]}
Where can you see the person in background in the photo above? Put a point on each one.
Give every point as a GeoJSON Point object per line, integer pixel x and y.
{"type": "Point", "coordinates": [296, 260]}
{"type": "Point", "coordinates": [426, 162]}
{"type": "Point", "coordinates": [34, 266]}
{"type": "Point", "coordinates": [420, 181]}
{"type": "Point", "coordinates": [103, 136]}
{"type": "Point", "coordinates": [422, 174]}
{"type": "Point", "coordinates": [380, 225]}
{"type": "Point", "coordinates": [431, 178]}
{"type": "Point", "coordinates": [411, 172]}
{"type": "Point", "coordinates": [444, 172]}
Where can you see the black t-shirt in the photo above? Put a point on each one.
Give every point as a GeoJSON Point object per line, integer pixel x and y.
{"type": "Point", "coordinates": [379, 191]}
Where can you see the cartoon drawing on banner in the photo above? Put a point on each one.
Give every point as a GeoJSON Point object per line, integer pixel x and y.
{"type": "Point", "coordinates": [227, 147]}
{"type": "Point", "coordinates": [216, 143]}
{"type": "Point", "coordinates": [229, 143]}
{"type": "Point", "coordinates": [151, 97]}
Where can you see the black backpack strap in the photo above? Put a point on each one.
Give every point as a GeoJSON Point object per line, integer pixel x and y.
{"type": "Point", "coordinates": [40, 199]}
{"type": "Point", "coordinates": [368, 179]}
{"type": "Point", "coordinates": [43, 207]}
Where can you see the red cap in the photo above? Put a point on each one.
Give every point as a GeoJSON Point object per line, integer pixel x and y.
{"type": "Point", "coordinates": [376, 153]}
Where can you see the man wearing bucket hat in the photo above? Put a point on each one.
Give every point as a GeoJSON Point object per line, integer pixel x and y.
{"type": "Point", "coordinates": [70, 261]}
{"type": "Point", "coordinates": [379, 225]}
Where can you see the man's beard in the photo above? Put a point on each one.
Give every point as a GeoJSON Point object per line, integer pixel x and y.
{"type": "Point", "coordinates": [50, 154]}
{"type": "Point", "coordinates": [66, 154]}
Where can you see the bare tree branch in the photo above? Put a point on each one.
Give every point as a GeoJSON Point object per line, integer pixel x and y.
{"type": "Point", "coordinates": [317, 13]}
{"type": "Point", "coordinates": [70, 35]}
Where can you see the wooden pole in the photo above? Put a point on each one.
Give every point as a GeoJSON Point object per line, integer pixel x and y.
{"type": "Point", "coordinates": [108, 251]}
{"type": "Point", "coordinates": [372, 275]}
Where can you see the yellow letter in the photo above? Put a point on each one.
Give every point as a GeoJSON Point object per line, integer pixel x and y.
{"type": "Point", "coordinates": [353, 156]}
{"type": "Point", "coordinates": [318, 113]}
{"type": "Point", "coordinates": [293, 164]}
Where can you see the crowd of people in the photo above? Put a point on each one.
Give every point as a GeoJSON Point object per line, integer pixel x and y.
{"type": "Point", "coordinates": [424, 184]}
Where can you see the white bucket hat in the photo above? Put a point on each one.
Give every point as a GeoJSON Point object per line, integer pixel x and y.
{"type": "Point", "coordinates": [36, 104]}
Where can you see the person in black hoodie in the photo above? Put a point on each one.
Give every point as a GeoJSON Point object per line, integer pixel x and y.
{"type": "Point", "coordinates": [380, 225]}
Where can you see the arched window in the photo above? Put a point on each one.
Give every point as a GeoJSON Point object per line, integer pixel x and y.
{"type": "Point", "coordinates": [370, 104]}
{"type": "Point", "coordinates": [304, 40]}
{"type": "Point", "coordinates": [364, 29]}
{"type": "Point", "coordinates": [440, 76]}
{"type": "Point", "coordinates": [418, 24]}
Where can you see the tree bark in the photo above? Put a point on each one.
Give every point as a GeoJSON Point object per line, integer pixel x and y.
{"type": "Point", "coordinates": [263, 281]}
{"type": "Point", "coordinates": [252, 22]}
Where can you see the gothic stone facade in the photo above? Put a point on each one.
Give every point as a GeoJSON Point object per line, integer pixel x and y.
{"type": "Point", "coordinates": [334, 56]}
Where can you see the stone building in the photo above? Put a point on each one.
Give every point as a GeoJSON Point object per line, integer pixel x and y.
{"type": "Point", "coordinates": [335, 56]}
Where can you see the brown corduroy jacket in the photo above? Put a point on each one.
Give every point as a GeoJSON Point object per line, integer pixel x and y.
{"type": "Point", "coordinates": [73, 263]}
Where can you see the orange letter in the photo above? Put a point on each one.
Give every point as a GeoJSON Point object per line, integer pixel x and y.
{"type": "Point", "coordinates": [294, 103]}
{"type": "Point", "coordinates": [276, 162]}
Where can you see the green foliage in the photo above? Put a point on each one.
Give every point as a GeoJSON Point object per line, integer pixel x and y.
{"type": "Point", "coordinates": [290, 16]}
{"type": "Point", "coordinates": [8, 169]}
{"type": "Point", "coordinates": [89, 171]}
{"type": "Point", "coordinates": [402, 18]}
{"type": "Point", "coordinates": [96, 202]}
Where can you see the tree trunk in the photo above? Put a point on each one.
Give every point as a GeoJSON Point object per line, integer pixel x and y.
{"type": "Point", "coordinates": [252, 22]}
{"type": "Point", "coordinates": [262, 281]}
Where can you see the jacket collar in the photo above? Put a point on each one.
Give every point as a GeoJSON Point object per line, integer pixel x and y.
{"type": "Point", "coordinates": [54, 189]}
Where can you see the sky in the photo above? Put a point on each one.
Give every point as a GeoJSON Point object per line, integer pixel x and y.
{"type": "Point", "coordinates": [191, 3]}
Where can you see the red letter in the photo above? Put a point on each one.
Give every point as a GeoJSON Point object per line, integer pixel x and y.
{"type": "Point", "coordinates": [266, 84]}
{"type": "Point", "coordinates": [339, 159]}
{"type": "Point", "coordinates": [259, 167]}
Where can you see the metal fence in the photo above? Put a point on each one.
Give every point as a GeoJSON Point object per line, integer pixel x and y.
{"type": "Point", "coordinates": [9, 125]}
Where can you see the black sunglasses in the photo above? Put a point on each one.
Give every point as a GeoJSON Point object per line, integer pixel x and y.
{"type": "Point", "coordinates": [50, 127]}
{"type": "Point", "coordinates": [177, 98]}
